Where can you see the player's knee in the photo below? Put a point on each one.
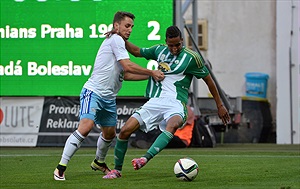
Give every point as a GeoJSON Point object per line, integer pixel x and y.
{"type": "Point", "coordinates": [171, 129]}
{"type": "Point", "coordinates": [125, 134]}
{"type": "Point", "coordinates": [108, 134]}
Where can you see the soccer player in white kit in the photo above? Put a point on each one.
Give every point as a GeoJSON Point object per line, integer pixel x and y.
{"type": "Point", "coordinates": [168, 98]}
{"type": "Point", "coordinates": [98, 96]}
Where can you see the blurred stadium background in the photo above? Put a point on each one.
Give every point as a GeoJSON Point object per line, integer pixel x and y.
{"type": "Point", "coordinates": [47, 55]}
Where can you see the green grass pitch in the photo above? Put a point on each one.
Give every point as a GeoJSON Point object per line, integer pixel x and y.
{"type": "Point", "coordinates": [227, 166]}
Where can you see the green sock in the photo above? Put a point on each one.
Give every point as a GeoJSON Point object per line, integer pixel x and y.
{"type": "Point", "coordinates": [159, 144]}
{"type": "Point", "coordinates": [120, 151]}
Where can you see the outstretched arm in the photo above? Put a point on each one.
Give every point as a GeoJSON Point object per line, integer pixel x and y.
{"type": "Point", "coordinates": [133, 68]}
{"type": "Point", "coordinates": [134, 77]}
{"type": "Point", "coordinates": [134, 50]}
{"type": "Point", "coordinates": [222, 111]}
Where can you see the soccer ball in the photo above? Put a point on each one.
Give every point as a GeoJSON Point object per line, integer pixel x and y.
{"type": "Point", "coordinates": [186, 169]}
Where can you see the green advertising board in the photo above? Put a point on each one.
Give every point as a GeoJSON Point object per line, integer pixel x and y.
{"type": "Point", "coordinates": [48, 47]}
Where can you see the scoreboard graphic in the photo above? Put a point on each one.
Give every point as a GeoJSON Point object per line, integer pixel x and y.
{"type": "Point", "coordinates": [48, 47]}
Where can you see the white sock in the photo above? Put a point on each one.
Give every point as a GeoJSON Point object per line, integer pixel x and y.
{"type": "Point", "coordinates": [102, 148]}
{"type": "Point", "coordinates": [72, 144]}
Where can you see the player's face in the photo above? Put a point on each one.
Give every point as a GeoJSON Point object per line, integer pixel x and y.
{"type": "Point", "coordinates": [124, 27]}
{"type": "Point", "coordinates": [174, 45]}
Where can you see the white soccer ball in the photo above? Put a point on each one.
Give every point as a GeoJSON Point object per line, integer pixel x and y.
{"type": "Point", "coordinates": [186, 169]}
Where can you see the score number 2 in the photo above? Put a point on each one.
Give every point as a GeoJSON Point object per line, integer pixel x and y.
{"type": "Point", "coordinates": [153, 34]}
{"type": "Point", "coordinates": [103, 28]}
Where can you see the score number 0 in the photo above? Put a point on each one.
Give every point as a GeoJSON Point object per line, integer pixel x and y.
{"type": "Point", "coordinates": [103, 28]}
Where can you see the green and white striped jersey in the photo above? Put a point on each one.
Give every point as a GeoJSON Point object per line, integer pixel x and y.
{"type": "Point", "coordinates": [179, 71]}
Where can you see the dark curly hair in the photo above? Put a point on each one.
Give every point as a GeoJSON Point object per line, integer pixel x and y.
{"type": "Point", "coordinates": [173, 31]}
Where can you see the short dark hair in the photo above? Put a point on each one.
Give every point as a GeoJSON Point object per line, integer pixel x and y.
{"type": "Point", "coordinates": [173, 31]}
{"type": "Point", "coordinates": [120, 15]}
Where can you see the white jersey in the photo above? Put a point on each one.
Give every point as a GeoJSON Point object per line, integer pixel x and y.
{"type": "Point", "coordinates": [107, 76]}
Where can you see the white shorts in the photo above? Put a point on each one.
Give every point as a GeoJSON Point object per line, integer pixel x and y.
{"type": "Point", "coordinates": [157, 111]}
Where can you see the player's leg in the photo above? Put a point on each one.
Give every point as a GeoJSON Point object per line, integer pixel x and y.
{"type": "Point", "coordinates": [121, 146]}
{"type": "Point", "coordinates": [74, 141]}
{"type": "Point", "coordinates": [165, 137]}
{"type": "Point", "coordinates": [72, 144]}
{"type": "Point", "coordinates": [131, 125]}
{"type": "Point", "coordinates": [107, 118]}
{"type": "Point", "coordinates": [103, 144]}
{"type": "Point", "coordinates": [160, 143]}
{"type": "Point", "coordinates": [175, 114]}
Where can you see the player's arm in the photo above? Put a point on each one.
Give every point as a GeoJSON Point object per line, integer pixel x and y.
{"type": "Point", "coordinates": [133, 68]}
{"type": "Point", "coordinates": [213, 89]}
{"type": "Point", "coordinates": [134, 50]}
{"type": "Point", "coordinates": [134, 77]}
{"type": "Point", "coordinates": [222, 111]}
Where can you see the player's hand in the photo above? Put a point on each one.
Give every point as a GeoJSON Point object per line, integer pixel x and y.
{"type": "Point", "coordinates": [158, 75]}
{"type": "Point", "coordinates": [109, 33]}
{"type": "Point", "coordinates": [223, 114]}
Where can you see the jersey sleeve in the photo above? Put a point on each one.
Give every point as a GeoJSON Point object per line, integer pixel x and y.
{"type": "Point", "coordinates": [196, 67]}
{"type": "Point", "coordinates": [149, 53]}
{"type": "Point", "coordinates": [118, 48]}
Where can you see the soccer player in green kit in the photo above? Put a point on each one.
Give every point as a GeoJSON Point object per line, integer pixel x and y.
{"type": "Point", "coordinates": [168, 98]}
